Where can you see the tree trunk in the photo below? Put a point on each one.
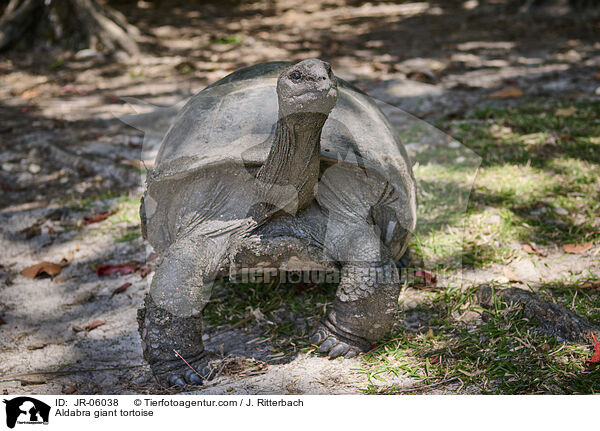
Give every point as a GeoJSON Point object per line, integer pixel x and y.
{"type": "Point", "coordinates": [71, 24]}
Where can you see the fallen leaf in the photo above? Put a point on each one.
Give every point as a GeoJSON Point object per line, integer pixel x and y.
{"type": "Point", "coordinates": [37, 346]}
{"type": "Point", "coordinates": [597, 75]}
{"type": "Point", "coordinates": [44, 267]}
{"type": "Point", "coordinates": [591, 285]}
{"type": "Point", "coordinates": [69, 390]}
{"type": "Point", "coordinates": [122, 269]}
{"type": "Point", "coordinates": [139, 164]}
{"type": "Point", "coordinates": [427, 279]}
{"type": "Point", "coordinates": [595, 359]}
{"type": "Point", "coordinates": [66, 260]}
{"type": "Point", "coordinates": [144, 271]}
{"type": "Point", "coordinates": [511, 275]}
{"type": "Point", "coordinates": [565, 112]}
{"type": "Point", "coordinates": [94, 324]}
{"type": "Point", "coordinates": [577, 248]}
{"type": "Point", "coordinates": [103, 215]}
{"type": "Point", "coordinates": [507, 93]}
{"type": "Point", "coordinates": [527, 248]}
{"type": "Point", "coordinates": [31, 93]}
{"type": "Point", "coordinates": [532, 249]}
{"type": "Point", "coordinates": [121, 289]}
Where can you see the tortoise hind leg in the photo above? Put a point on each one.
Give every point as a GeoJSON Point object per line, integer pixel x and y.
{"type": "Point", "coordinates": [170, 324]}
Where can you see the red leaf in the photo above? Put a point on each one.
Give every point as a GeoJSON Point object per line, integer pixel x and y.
{"type": "Point", "coordinates": [121, 289]}
{"type": "Point", "coordinates": [98, 217]}
{"type": "Point", "coordinates": [122, 269]}
{"type": "Point", "coordinates": [595, 359]}
{"type": "Point", "coordinates": [427, 279]}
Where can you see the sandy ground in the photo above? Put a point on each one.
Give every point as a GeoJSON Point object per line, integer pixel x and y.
{"type": "Point", "coordinates": [60, 142]}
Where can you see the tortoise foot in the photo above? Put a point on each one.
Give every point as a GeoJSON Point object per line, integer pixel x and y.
{"type": "Point", "coordinates": [334, 343]}
{"type": "Point", "coordinates": [179, 373]}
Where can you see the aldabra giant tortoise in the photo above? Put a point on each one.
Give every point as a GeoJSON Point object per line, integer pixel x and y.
{"type": "Point", "coordinates": [275, 163]}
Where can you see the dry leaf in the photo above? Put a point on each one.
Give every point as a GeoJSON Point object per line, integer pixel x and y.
{"type": "Point", "coordinates": [597, 75]}
{"type": "Point", "coordinates": [144, 271]}
{"type": "Point", "coordinates": [577, 248]}
{"type": "Point", "coordinates": [591, 285]}
{"type": "Point", "coordinates": [103, 215]}
{"type": "Point", "coordinates": [121, 289]}
{"type": "Point", "coordinates": [66, 260]}
{"type": "Point", "coordinates": [532, 249]}
{"type": "Point", "coordinates": [139, 164]}
{"type": "Point", "coordinates": [94, 324]}
{"type": "Point", "coordinates": [527, 248]}
{"type": "Point", "coordinates": [44, 267]}
{"type": "Point", "coordinates": [69, 390]}
{"type": "Point", "coordinates": [31, 93]}
{"type": "Point", "coordinates": [37, 346]}
{"type": "Point", "coordinates": [511, 275]}
{"type": "Point", "coordinates": [565, 112]}
{"type": "Point", "coordinates": [507, 93]}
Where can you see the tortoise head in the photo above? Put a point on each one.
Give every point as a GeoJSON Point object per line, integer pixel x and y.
{"type": "Point", "coordinates": [307, 87]}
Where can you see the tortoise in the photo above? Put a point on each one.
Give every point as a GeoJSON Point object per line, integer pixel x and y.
{"type": "Point", "coordinates": [277, 165]}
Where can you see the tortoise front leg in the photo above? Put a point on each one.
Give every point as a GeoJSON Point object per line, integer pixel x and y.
{"type": "Point", "coordinates": [170, 324]}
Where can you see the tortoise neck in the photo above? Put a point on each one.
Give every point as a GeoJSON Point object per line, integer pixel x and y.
{"type": "Point", "coordinates": [294, 155]}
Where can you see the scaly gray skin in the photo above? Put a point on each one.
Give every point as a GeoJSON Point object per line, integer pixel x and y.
{"type": "Point", "coordinates": [341, 223]}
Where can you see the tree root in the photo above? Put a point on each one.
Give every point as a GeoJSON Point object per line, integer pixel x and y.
{"type": "Point", "coordinates": [553, 319]}
{"type": "Point", "coordinates": [74, 24]}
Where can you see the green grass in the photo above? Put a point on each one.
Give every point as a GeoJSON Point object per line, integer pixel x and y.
{"type": "Point", "coordinates": [235, 38]}
{"type": "Point", "coordinates": [282, 309]}
{"type": "Point", "coordinates": [539, 181]}
{"type": "Point", "coordinates": [502, 353]}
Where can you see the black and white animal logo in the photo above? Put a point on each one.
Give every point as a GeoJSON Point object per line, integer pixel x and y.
{"type": "Point", "coordinates": [26, 410]}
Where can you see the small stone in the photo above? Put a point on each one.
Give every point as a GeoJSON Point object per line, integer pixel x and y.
{"type": "Point", "coordinates": [7, 167]}
{"type": "Point", "coordinates": [34, 169]}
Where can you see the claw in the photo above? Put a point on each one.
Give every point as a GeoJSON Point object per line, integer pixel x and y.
{"type": "Point", "coordinates": [327, 344]}
{"type": "Point", "coordinates": [351, 354]}
{"type": "Point", "coordinates": [338, 350]}
{"type": "Point", "coordinates": [176, 381]}
{"type": "Point", "coordinates": [192, 377]}
{"type": "Point", "coordinates": [317, 338]}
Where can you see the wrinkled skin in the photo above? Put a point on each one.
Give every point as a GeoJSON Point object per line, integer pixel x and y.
{"type": "Point", "coordinates": [343, 215]}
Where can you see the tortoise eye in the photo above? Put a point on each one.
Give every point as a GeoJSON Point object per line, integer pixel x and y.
{"type": "Point", "coordinates": [296, 75]}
